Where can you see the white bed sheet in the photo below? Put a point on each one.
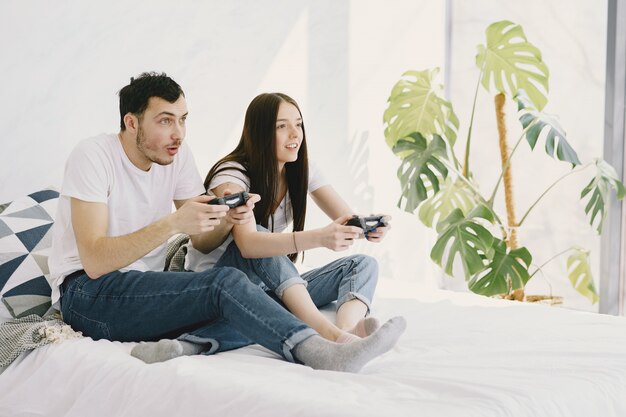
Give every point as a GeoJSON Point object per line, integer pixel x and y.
{"type": "Point", "coordinates": [462, 355]}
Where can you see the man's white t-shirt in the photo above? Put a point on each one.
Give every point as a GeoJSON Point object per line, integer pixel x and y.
{"type": "Point", "coordinates": [283, 216]}
{"type": "Point", "coordinates": [98, 170]}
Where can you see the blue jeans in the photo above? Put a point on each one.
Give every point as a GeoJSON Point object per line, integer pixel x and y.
{"type": "Point", "coordinates": [220, 306]}
{"type": "Point", "coordinates": [352, 277]}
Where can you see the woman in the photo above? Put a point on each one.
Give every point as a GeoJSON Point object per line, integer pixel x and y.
{"type": "Point", "coordinates": [271, 160]}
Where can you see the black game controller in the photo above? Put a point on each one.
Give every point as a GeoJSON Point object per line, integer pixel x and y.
{"type": "Point", "coordinates": [231, 200]}
{"type": "Point", "coordinates": [368, 223]}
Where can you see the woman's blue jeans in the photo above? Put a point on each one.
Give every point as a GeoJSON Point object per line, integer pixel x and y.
{"type": "Point", "coordinates": [345, 279]}
{"type": "Point", "coordinates": [219, 307]}
{"type": "Point", "coordinates": [352, 277]}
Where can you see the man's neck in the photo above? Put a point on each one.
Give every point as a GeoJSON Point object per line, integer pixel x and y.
{"type": "Point", "coordinates": [129, 144]}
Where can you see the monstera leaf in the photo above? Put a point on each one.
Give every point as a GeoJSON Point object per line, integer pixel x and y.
{"type": "Point", "coordinates": [506, 266]}
{"type": "Point", "coordinates": [415, 105]}
{"type": "Point", "coordinates": [556, 143]}
{"type": "Point", "coordinates": [420, 163]}
{"type": "Point", "coordinates": [509, 58]}
{"type": "Point", "coordinates": [579, 273]}
{"type": "Point", "coordinates": [454, 194]}
{"type": "Point", "coordinates": [464, 237]}
{"type": "Point", "coordinates": [599, 187]}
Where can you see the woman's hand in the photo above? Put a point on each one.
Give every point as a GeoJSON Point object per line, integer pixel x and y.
{"type": "Point", "coordinates": [244, 213]}
{"type": "Point", "coordinates": [377, 235]}
{"type": "Point", "coordinates": [338, 237]}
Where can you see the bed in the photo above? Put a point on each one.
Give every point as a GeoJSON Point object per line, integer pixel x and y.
{"type": "Point", "coordinates": [461, 355]}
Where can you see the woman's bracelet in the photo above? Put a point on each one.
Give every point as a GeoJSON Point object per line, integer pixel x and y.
{"type": "Point", "coordinates": [293, 234]}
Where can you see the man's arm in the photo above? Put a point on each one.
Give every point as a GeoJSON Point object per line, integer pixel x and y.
{"type": "Point", "coordinates": [101, 254]}
{"type": "Point", "coordinates": [206, 242]}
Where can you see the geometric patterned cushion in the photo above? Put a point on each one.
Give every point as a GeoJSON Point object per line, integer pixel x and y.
{"type": "Point", "coordinates": [25, 240]}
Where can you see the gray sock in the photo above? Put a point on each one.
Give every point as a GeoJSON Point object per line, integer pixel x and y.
{"type": "Point", "coordinates": [163, 350]}
{"type": "Point", "coordinates": [370, 324]}
{"type": "Point", "coordinates": [319, 353]}
{"type": "Point", "coordinates": [365, 327]}
{"type": "Point", "coordinates": [191, 348]}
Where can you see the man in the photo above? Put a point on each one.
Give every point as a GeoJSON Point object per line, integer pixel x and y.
{"type": "Point", "coordinates": [113, 222]}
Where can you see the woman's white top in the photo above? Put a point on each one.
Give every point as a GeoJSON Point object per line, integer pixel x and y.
{"type": "Point", "coordinates": [281, 218]}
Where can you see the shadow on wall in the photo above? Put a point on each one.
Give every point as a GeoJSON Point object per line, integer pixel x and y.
{"type": "Point", "coordinates": [85, 51]}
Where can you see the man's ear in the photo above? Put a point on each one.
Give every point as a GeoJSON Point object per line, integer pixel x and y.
{"type": "Point", "coordinates": [131, 122]}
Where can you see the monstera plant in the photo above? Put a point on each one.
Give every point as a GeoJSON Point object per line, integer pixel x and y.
{"type": "Point", "coordinates": [421, 128]}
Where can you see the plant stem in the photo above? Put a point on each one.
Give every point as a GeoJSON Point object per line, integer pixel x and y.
{"type": "Point", "coordinates": [499, 102]}
{"type": "Point", "coordinates": [469, 131]}
{"type": "Point", "coordinates": [548, 261]}
{"type": "Point", "coordinates": [457, 164]}
{"type": "Point", "coordinates": [465, 180]}
{"type": "Point", "coordinates": [477, 195]}
{"type": "Point", "coordinates": [547, 190]}
{"type": "Point", "coordinates": [506, 166]}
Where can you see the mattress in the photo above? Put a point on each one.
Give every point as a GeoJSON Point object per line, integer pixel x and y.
{"type": "Point", "coordinates": [461, 355]}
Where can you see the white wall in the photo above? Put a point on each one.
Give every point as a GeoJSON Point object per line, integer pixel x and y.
{"type": "Point", "coordinates": [63, 62]}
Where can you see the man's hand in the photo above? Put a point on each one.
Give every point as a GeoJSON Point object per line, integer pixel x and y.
{"type": "Point", "coordinates": [196, 216]}
{"type": "Point", "coordinates": [100, 253]}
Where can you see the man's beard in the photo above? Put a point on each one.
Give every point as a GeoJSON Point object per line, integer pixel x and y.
{"type": "Point", "coordinates": [146, 151]}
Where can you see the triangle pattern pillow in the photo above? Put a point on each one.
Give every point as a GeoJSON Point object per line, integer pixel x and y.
{"type": "Point", "coordinates": [25, 240]}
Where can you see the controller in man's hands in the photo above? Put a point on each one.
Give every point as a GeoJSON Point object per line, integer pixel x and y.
{"type": "Point", "coordinates": [231, 200]}
{"type": "Point", "coordinates": [367, 223]}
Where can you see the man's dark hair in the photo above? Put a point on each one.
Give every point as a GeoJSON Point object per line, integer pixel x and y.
{"type": "Point", "coordinates": [134, 97]}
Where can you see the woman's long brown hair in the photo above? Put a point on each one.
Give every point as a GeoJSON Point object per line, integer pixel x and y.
{"type": "Point", "coordinates": [256, 152]}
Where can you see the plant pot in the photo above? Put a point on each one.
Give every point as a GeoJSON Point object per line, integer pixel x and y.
{"type": "Point", "coordinates": [519, 295]}
{"type": "Point", "coordinates": [544, 299]}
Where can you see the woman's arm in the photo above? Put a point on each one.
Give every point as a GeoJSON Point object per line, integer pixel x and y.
{"type": "Point", "coordinates": [208, 242]}
{"type": "Point", "coordinates": [255, 244]}
{"type": "Point", "coordinates": [330, 202]}
{"type": "Point", "coordinates": [334, 206]}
